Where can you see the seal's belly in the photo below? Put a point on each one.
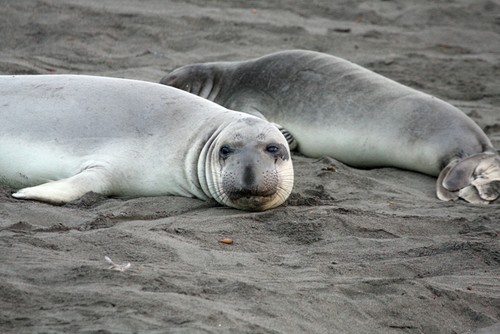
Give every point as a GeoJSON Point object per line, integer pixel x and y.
{"type": "Point", "coordinates": [408, 130]}
{"type": "Point", "coordinates": [24, 164]}
{"type": "Point", "coordinates": [364, 149]}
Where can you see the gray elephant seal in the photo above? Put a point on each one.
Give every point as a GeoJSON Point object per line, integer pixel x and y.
{"type": "Point", "coordinates": [62, 136]}
{"type": "Point", "coordinates": [334, 107]}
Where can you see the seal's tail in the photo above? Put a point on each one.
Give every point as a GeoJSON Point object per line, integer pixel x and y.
{"type": "Point", "coordinates": [476, 179]}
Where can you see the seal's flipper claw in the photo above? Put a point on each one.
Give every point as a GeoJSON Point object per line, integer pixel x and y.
{"type": "Point", "coordinates": [65, 190]}
{"type": "Point", "coordinates": [292, 143]}
{"type": "Point", "coordinates": [476, 179]}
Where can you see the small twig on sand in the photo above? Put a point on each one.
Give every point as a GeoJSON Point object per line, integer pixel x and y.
{"type": "Point", "coordinates": [154, 53]}
{"type": "Point", "coordinates": [119, 267]}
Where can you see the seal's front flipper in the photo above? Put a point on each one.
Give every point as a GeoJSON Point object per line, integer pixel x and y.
{"type": "Point", "coordinates": [67, 190]}
{"type": "Point", "coordinates": [475, 179]}
{"type": "Point", "coordinates": [292, 143]}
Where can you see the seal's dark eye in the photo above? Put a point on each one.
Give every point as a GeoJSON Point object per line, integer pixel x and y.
{"type": "Point", "coordinates": [225, 151]}
{"type": "Point", "coordinates": [272, 149]}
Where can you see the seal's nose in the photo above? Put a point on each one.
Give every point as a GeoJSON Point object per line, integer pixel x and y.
{"type": "Point", "coordinates": [251, 181]}
{"type": "Point", "coordinates": [250, 173]}
{"type": "Point", "coordinates": [248, 179]}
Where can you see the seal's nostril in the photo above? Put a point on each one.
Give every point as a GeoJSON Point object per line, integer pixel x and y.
{"type": "Point", "coordinates": [249, 176]}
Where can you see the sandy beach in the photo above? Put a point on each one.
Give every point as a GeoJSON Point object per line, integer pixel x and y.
{"type": "Point", "coordinates": [351, 251]}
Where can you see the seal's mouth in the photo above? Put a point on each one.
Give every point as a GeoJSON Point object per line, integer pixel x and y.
{"type": "Point", "coordinates": [255, 180]}
{"type": "Point", "coordinates": [254, 192]}
{"type": "Point", "coordinates": [252, 202]}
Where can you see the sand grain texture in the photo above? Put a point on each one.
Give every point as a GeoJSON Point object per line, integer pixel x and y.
{"type": "Point", "coordinates": [353, 251]}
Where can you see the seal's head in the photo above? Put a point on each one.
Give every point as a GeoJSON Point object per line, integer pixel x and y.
{"type": "Point", "coordinates": [249, 166]}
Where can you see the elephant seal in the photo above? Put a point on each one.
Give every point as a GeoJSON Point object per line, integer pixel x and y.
{"type": "Point", "coordinates": [62, 136]}
{"type": "Point", "coordinates": [336, 108]}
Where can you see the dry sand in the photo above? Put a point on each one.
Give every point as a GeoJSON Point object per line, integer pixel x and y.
{"type": "Point", "coordinates": [352, 251]}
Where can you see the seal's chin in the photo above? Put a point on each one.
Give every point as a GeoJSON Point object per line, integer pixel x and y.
{"type": "Point", "coordinates": [255, 203]}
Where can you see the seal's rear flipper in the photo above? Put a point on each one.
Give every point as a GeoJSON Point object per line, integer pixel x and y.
{"type": "Point", "coordinates": [487, 190]}
{"type": "Point", "coordinates": [471, 195]}
{"type": "Point", "coordinates": [476, 179]}
{"type": "Point", "coordinates": [66, 190]}
{"type": "Point", "coordinates": [443, 193]}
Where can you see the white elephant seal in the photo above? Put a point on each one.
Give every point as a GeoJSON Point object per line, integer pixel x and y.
{"type": "Point", "coordinates": [62, 136]}
{"type": "Point", "coordinates": [334, 107]}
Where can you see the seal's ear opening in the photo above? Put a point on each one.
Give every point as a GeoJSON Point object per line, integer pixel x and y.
{"type": "Point", "coordinates": [476, 179]}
